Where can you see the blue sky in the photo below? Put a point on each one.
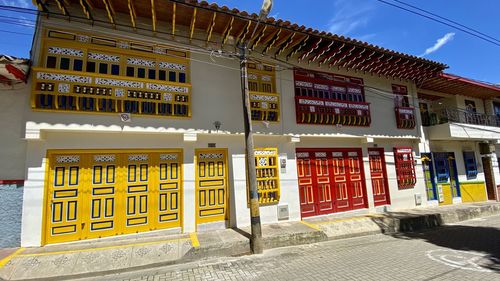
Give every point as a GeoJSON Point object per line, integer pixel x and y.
{"type": "Point", "coordinates": [367, 20]}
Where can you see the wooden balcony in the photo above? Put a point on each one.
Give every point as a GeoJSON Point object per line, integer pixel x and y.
{"type": "Point", "coordinates": [83, 92]}
{"type": "Point", "coordinates": [405, 117]}
{"type": "Point", "coordinates": [311, 110]}
{"type": "Point", "coordinates": [265, 106]}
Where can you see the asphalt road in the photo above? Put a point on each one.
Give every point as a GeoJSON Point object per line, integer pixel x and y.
{"type": "Point", "coordinates": [465, 251]}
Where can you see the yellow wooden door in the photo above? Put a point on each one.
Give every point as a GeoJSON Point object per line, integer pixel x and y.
{"type": "Point", "coordinates": [65, 189]}
{"type": "Point", "coordinates": [211, 185]}
{"type": "Point", "coordinates": [168, 191]}
{"type": "Point", "coordinates": [138, 183]}
{"type": "Point", "coordinates": [103, 197]}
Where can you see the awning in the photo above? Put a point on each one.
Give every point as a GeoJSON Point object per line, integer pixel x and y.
{"type": "Point", "coordinates": [456, 85]}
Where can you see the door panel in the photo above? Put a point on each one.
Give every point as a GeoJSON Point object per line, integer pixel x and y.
{"type": "Point", "coordinates": [323, 183]}
{"type": "Point", "coordinates": [65, 187]}
{"type": "Point", "coordinates": [211, 185]}
{"type": "Point", "coordinates": [168, 192]}
{"type": "Point", "coordinates": [330, 180]}
{"type": "Point", "coordinates": [340, 178]}
{"type": "Point", "coordinates": [306, 190]}
{"type": "Point", "coordinates": [104, 196]}
{"type": "Point", "coordinates": [138, 203]}
{"type": "Point", "coordinates": [378, 174]}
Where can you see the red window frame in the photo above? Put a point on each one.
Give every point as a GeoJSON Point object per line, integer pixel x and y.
{"type": "Point", "coordinates": [405, 167]}
{"type": "Point", "coordinates": [400, 96]}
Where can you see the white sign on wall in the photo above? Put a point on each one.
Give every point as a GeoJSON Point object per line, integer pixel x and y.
{"type": "Point", "coordinates": [440, 193]}
{"type": "Point", "coordinates": [282, 158]}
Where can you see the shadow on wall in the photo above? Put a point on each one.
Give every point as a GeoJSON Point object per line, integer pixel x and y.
{"type": "Point", "coordinates": [11, 203]}
{"type": "Point", "coordinates": [482, 239]}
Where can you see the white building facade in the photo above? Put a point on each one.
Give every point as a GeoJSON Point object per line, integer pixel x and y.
{"type": "Point", "coordinates": [132, 130]}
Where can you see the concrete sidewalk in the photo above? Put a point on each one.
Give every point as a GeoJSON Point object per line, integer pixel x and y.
{"type": "Point", "coordinates": [118, 254]}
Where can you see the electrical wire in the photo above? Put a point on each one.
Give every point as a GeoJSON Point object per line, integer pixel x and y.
{"type": "Point", "coordinates": [441, 21]}
{"type": "Point", "coordinates": [14, 32]}
{"type": "Point", "coordinates": [447, 19]}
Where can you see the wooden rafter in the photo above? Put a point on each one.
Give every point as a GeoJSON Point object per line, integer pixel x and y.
{"type": "Point", "coordinates": [41, 5]}
{"type": "Point", "coordinates": [357, 64]}
{"type": "Point", "coordinates": [131, 10]}
{"type": "Point", "coordinates": [210, 28]}
{"type": "Point", "coordinates": [244, 32]}
{"type": "Point", "coordinates": [355, 57]}
{"type": "Point", "coordinates": [286, 42]}
{"type": "Point", "coordinates": [377, 68]}
{"type": "Point", "coordinates": [313, 47]}
{"type": "Point", "coordinates": [61, 7]}
{"type": "Point", "coordinates": [272, 41]}
{"type": "Point", "coordinates": [341, 56]}
{"type": "Point", "coordinates": [321, 52]}
{"type": "Point", "coordinates": [193, 22]}
{"type": "Point", "coordinates": [227, 31]}
{"type": "Point", "coordinates": [328, 57]}
{"type": "Point", "coordinates": [86, 7]}
{"type": "Point", "coordinates": [392, 65]}
{"type": "Point", "coordinates": [109, 10]}
{"type": "Point", "coordinates": [373, 61]}
{"type": "Point", "coordinates": [153, 15]}
{"type": "Point", "coordinates": [402, 67]}
{"type": "Point", "coordinates": [174, 9]}
{"type": "Point", "coordinates": [298, 47]}
{"type": "Point", "coordinates": [258, 38]}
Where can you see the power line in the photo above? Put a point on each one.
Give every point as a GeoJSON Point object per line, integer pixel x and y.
{"type": "Point", "coordinates": [442, 22]}
{"type": "Point", "coordinates": [13, 32]}
{"type": "Point", "coordinates": [447, 19]}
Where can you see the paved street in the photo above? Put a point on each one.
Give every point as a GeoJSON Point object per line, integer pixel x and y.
{"type": "Point", "coordinates": [465, 251]}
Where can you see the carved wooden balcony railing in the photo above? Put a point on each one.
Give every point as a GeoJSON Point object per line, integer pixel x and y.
{"type": "Point", "coordinates": [83, 92]}
{"type": "Point", "coordinates": [311, 110]}
{"type": "Point", "coordinates": [405, 117]}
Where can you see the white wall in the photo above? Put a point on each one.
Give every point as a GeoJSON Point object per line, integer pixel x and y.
{"type": "Point", "coordinates": [13, 101]}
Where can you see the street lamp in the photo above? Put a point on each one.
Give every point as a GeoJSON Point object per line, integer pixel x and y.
{"type": "Point", "coordinates": [256, 230]}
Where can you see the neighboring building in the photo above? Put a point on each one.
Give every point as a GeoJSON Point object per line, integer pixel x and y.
{"type": "Point", "coordinates": [14, 96]}
{"type": "Point", "coordinates": [461, 119]}
{"type": "Point", "coordinates": [135, 121]}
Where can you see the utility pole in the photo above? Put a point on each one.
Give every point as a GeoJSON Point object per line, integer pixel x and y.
{"type": "Point", "coordinates": [256, 233]}
{"type": "Point", "coordinates": [256, 230]}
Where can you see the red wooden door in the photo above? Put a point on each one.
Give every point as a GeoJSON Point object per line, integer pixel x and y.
{"type": "Point", "coordinates": [323, 182]}
{"type": "Point", "coordinates": [306, 189]}
{"type": "Point", "coordinates": [340, 182]}
{"type": "Point", "coordinates": [330, 180]}
{"type": "Point", "coordinates": [378, 174]}
{"type": "Point", "coordinates": [356, 179]}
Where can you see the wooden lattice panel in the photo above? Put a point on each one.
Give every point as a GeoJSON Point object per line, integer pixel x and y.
{"type": "Point", "coordinates": [268, 181]}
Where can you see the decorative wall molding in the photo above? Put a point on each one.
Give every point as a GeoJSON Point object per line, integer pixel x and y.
{"type": "Point", "coordinates": [64, 77]}
{"type": "Point", "coordinates": [167, 88]}
{"type": "Point", "coordinates": [119, 83]}
{"type": "Point", "coordinates": [174, 66]}
{"type": "Point", "coordinates": [68, 159]}
{"type": "Point", "coordinates": [103, 57]}
{"type": "Point", "coordinates": [65, 51]}
{"type": "Point", "coordinates": [141, 62]}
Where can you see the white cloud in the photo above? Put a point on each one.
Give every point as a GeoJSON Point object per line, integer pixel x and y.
{"type": "Point", "coordinates": [349, 16]}
{"type": "Point", "coordinates": [17, 3]}
{"type": "Point", "coordinates": [439, 43]}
